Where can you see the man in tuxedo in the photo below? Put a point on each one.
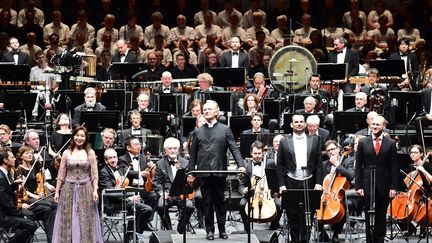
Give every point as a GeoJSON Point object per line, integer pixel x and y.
{"type": "Point", "coordinates": [299, 162]}
{"type": "Point", "coordinates": [209, 152]}
{"type": "Point", "coordinates": [5, 137]}
{"type": "Point", "coordinates": [140, 168]}
{"type": "Point", "coordinates": [123, 54]}
{"type": "Point", "coordinates": [425, 120]}
{"type": "Point", "coordinates": [273, 154]}
{"type": "Point", "coordinates": [312, 125]}
{"type": "Point", "coordinates": [411, 64]}
{"type": "Point", "coordinates": [143, 101]}
{"type": "Point", "coordinates": [254, 168]}
{"type": "Point", "coordinates": [15, 55]}
{"type": "Point", "coordinates": [260, 87]}
{"type": "Point", "coordinates": [373, 77]}
{"type": "Point", "coordinates": [108, 177]}
{"type": "Point", "coordinates": [90, 104]}
{"type": "Point", "coordinates": [10, 215]}
{"type": "Point", "coordinates": [166, 87]}
{"type": "Point", "coordinates": [309, 104]}
{"type": "Point", "coordinates": [314, 87]}
{"type": "Point", "coordinates": [342, 54]}
{"type": "Point", "coordinates": [166, 170]}
{"type": "Point", "coordinates": [135, 130]}
{"type": "Point", "coordinates": [380, 152]}
{"type": "Point", "coordinates": [256, 121]}
{"type": "Point", "coordinates": [360, 103]}
{"type": "Point", "coordinates": [235, 57]}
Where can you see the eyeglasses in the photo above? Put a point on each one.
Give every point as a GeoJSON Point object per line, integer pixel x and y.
{"type": "Point", "coordinates": [330, 149]}
{"type": "Point", "coordinates": [414, 152]}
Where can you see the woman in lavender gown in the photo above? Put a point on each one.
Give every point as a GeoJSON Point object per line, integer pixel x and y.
{"type": "Point", "coordinates": [77, 218]}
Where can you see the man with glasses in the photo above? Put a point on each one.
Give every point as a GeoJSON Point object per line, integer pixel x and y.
{"type": "Point", "coordinates": [5, 137]}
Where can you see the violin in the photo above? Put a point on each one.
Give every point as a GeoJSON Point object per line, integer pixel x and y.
{"type": "Point", "coordinates": [406, 204]}
{"type": "Point", "coordinates": [122, 181]}
{"type": "Point", "coordinates": [41, 188]}
{"type": "Point", "coordinates": [332, 208]}
{"type": "Point", "coordinates": [22, 196]}
{"type": "Point", "coordinates": [149, 178]}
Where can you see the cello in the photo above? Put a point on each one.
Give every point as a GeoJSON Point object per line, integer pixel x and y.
{"type": "Point", "coordinates": [263, 205]}
{"type": "Point", "coordinates": [332, 208]}
{"type": "Point", "coordinates": [423, 216]}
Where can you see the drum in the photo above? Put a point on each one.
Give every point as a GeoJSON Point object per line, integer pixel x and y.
{"type": "Point", "coordinates": [290, 68]}
{"type": "Point", "coordinates": [89, 65]}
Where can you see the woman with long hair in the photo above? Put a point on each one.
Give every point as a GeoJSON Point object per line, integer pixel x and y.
{"type": "Point", "coordinates": [77, 218]}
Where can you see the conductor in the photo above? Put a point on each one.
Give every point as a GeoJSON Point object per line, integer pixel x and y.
{"type": "Point", "coordinates": [209, 152]}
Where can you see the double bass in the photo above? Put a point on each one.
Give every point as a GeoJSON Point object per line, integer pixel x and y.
{"type": "Point", "coordinates": [332, 208]}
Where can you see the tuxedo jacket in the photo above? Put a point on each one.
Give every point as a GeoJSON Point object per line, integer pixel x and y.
{"type": "Point", "coordinates": [411, 60]}
{"type": "Point", "coordinates": [346, 168]}
{"type": "Point", "coordinates": [262, 131]}
{"type": "Point", "coordinates": [23, 58]}
{"type": "Point", "coordinates": [126, 160]}
{"type": "Point", "coordinates": [226, 59]}
{"type": "Point", "coordinates": [245, 181]}
{"type": "Point", "coordinates": [76, 121]}
{"type": "Point", "coordinates": [130, 58]}
{"type": "Point", "coordinates": [321, 92]}
{"type": "Point", "coordinates": [209, 149]}
{"type": "Point", "coordinates": [354, 110]}
{"type": "Point", "coordinates": [387, 168]}
{"type": "Point", "coordinates": [323, 136]}
{"type": "Point", "coordinates": [8, 205]}
{"type": "Point", "coordinates": [286, 159]}
{"type": "Point", "coordinates": [164, 176]}
{"type": "Point", "coordinates": [128, 133]}
{"type": "Point", "coordinates": [159, 89]}
{"type": "Point", "coordinates": [351, 57]}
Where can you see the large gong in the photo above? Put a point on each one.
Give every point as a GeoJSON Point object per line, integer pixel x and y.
{"type": "Point", "coordinates": [290, 68]}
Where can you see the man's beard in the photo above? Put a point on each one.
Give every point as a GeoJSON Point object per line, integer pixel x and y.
{"type": "Point", "coordinates": [90, 104]}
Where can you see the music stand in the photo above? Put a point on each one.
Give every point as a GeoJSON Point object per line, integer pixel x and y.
{"type": "Point", "coordinates": [155, 121]}
{"type": "Point", "coordinates": [12, 72]}
{"type": "Point", "coordinates": [388, 67]}
{"type": "Point", "coordinates": [239, 124]}
{"type": "Point", "coordinates": [228, 77]}
{"type": "Point", "coordinates": [10, 118]}
{"type": "Point", "coordinates": [96, 121]}
{"type": "Point", "coordinates": [405, 165]}
{"type": "Point", "coordinates": [19, 100]}
{"type": "Point", "coordinates": [273, 108]}
{"type": "Point", "coordinates": [188, 125]}
{"type": "Point", "coordinates": [406, 101]}
{"type": "Point", "coordinates": [154, 145]}
{"type": "Point", "coordinates": [169, 103]}
{"type": "Point", "coordinates": [246, 141]}
{"type": "Point", "coordinates": [68, 94]}
{"type": "Point", "coordinates": [272, 179]}
{"type": "Point", "coordinates": [332, 71]}
{"type": "Point", "coordinates": [349, 122]}
{"type": "Point", "coordinates": [348, 101]}
{"type": "Point", "coordinates": [288, 118]}
{"type": "Point", "coordinates": [178, 186]}
{"type": "Point", "coordinates": [223, 98]}
{"type": "Point", "coordinates": [114, 100]}
{"type": "Point", "coordinates": [125, 71]}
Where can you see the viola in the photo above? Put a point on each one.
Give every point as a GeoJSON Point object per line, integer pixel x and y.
{"type": "Point", "coordinates": [332, 208]}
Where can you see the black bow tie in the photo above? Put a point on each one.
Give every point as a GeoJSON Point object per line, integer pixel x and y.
{"type": "Point", "coordinates": [135, 158]}
{"type": "Point", "coordinates": [166, 89]}
{"type": "Point", "coordinates": [7, 145]}
{"type": "Point", "coordinates": [404, 54]}
{"type": "Point", "coordinates": [122, 55]}
{"type": "Point", "coordinates": [235, 53]}
{"type": "Point", "coordinates": [15, 53]}
{"type": "Point", "coordinates": [137, 129]}
{"type": "Point", "coordinates": [358, 110]}
{"type": "Point", "coordinates": [171, 162]}
{"type": "Point", "coordinates": [257, 163]}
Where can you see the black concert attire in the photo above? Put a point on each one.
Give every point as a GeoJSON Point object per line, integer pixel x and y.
{"type": "Point", "coordinates": [129, 57]}
{"type": "Point", "coordinates": [77, 112]}
{"type": "Point", "coordinates": [138, 164]}
{"type": "Point", "coordinates": [253, 167]}
{"type": "Point", "coordinates": [140, 133]}
{"type": "Point", "coordinates": [290, 173]}
{"type": "Point", "coordinates": [45, 209]}
{"type": "Point", "coordinates": [421, 122]}
{"type": "Point", "coordinates": [10, 215]}
{"type": "Point", "coordinates": [387, 177]}
{"type": "Point", "coordinates": [113, 201]}
{"type": "Point", "coordinates": [323, 136]}
{"type": "Point", "coordinates": [23, 58]}
{"type": "Point", "coordinates": [209, 152]}
{"type": "Point", "coordinates": [165, 90]}
{"type": "Point", "coordinates": [227, 58]}
{"type": "Point", "coordinates": [166, 170]}
{"type": "Point", "coordinates": [345, 169]}
{"type": "Point", "coordinates": [352, 58]}
{"type": "Point", "coordinates": [411, 64]}
{"type": "Point", "coordinates": [251, 131]}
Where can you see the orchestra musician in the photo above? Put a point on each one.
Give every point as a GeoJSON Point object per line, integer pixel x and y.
{"type": "Point", "coordinates": [309, 106]}
{"type": "Point", "coordinates": [344, 168]}
{"type": "Point", "coordinates": [256, 121]}
{"type": "Point", "coordinates": [56, 146]}
{"type": "Point", "coordinates": [254, 169]}
{"type": "Point", "coordinates": [15, 55]}
{"type": "Point", "coordinates": [298, 151]}
{"type": "Point", "coordinates": [208, 152]}
{"type": "Point", "coordinates": [166, 87]}
{"type": "Point", "coordinates": [166, 170]}
{"type": "Point", "coordinates": [10, 215]}
{"type": "Point", "coordinates": [273, 154]}
{"type": "Point", "coordinates": [140, 171]}
{"type": "Point", "coordinates": [143, 101]}
{"type": "Point", "coordinates": [373, 77]}
{"type": "Point", "coordinates": [411, 64]}
{"type": "Point", "coordinates": [312, 128]}
{"type": "Point", "coordinates": [90, 104]}
{"type": "Point", "coordinates": [111, 176]}
{"type": "Point", "coordinates": [360, 103]}
{"type": "Point", "coordinates": [380, 151]}
{"type": "Point", "coordinates": [135, 130]}
{"type": "Point", "coordinates": [314, 87]}
{"type": "Point", "coordinates": [43, 208]}
{"type": "Point", "coordinates": [5, 137]}
{"type": "Point", "coordinates": [235, 57]}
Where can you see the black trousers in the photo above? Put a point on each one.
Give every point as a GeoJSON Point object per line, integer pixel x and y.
{"type": "Point", "coordinates": [381, 205]}
{"type": "Point", "coordinates": [184, 216]}
{"type": "Point", "coordinates": [212, 189]}
{"type": "Point", "coordinates": [143, 213]}
{"type": "Point", "coordinates": [24, 228]}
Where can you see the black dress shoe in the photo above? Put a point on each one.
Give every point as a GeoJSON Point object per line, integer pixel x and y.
{"type": "Point", "coordinates": [223, 235]}
{"type": "Point", "coordinates": [335, 239]}
{"type": "Point", "coordinates": [210, 236]}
